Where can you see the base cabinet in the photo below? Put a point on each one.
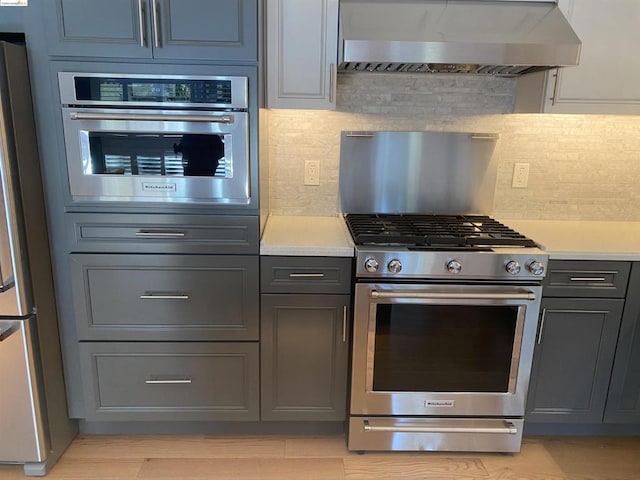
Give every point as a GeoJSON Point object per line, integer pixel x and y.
{"type": "Point", "coordinates": [623, 404]}
{"type": "Point", "coordinates": [579, 341]}
{"type": "Point", "coordinates": [304, 338]}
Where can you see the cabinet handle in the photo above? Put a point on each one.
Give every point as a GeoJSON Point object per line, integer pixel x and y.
{"type": "Point", "coordinates": [178, 381]}
{"type": "Point", "coordinates": [306, 275]}
{"type": "Point", "coordinates": [164, 296]}
{"type": "Point", "coordinates": [156, 24]}
{"type": "Point", "coordinates": [344, 324]}
{"type": "Point", "coordinates": [332, 82]}
{"type": "Point", "coordinates": [555, 88]}
{"type": "Point", "coordinates": [159, 234]}
{"type": "Point", "coordinates": [587, 279]}
{"type": "Point", "coordinates": [142, 24]}
{"type": "Point", "coordinates": [544, 314]}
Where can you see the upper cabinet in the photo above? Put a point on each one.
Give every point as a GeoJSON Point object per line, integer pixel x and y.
{"type": "Point", "coordinates": [225, 30]}
{"type": "Point", "coordinates": [302, 52]}
{"type": "Point", "coordinates": [607, 78]}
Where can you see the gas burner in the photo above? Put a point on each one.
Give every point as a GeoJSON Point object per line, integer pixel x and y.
{"type": "Point", "coordinates": [436, 231]}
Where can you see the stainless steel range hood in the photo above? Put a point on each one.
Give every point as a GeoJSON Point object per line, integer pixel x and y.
{"type": "Point", "coordinates": [491, 37]}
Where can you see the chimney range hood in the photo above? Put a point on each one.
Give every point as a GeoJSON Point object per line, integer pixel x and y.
{"type": "Point", "coordinates": [482, 37]}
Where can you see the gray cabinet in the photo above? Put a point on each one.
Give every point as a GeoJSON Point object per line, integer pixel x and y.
{"type": "Point", "coordinates": [170, 381]}
{"type": "Point", "coordinates": [304, 339]}
{"type": "Point", "coordinates": [623, 404]}
{"type": "Point", "coordinates": [576, 341]}
{"type": "Point", "coordinates": [302, 49]}
{"type": "Point", "coordinates": [224, 30]}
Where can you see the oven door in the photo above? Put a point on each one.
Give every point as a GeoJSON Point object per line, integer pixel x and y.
{"type": "Point", "coordinates": [157, 155]}
{"type": "Point", "coordinates": [443, 350]}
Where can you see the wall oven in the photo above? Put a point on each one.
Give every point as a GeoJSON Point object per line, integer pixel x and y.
{"type": "Point", "coordinates": [154, 138]}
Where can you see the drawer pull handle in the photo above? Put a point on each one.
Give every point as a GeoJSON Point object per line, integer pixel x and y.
{"type": "Point", "coordinates": [159, 234]}
{"type": "Point", "coordinates": [152, 296]}
{"type": "Point", "coordinates": [306, 275]}
{"type": "Point", "coordinates": [587, 279]}
{"type": "Point", "coordinates": [178, 381]}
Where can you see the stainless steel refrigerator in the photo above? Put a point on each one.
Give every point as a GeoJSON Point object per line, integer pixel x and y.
{"type": "Point", "coordinates": [34, 426]}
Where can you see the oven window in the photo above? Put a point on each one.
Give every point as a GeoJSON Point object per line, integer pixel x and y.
{"type": "Point", "coordinates": [145, 154]}
{"type": "Point", "coordinates": [445, 348]}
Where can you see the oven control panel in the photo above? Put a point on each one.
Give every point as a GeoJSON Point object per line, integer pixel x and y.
{"type": "Point", "coordinates": [508, 264]}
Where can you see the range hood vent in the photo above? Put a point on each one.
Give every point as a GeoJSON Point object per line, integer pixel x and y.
{"type": "Point", "coordinates": [480, 37]}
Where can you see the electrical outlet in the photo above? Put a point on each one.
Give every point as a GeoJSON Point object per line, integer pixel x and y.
{"type": "Point", "coordinates": [312, 172]}
{"type": "Point", "coordinates": [520, 175]}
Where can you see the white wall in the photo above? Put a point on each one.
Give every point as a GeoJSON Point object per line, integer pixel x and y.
{"type": "Point", "coordinates": [582, 167]}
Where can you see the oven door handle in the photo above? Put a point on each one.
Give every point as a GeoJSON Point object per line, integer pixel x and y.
{"type": "Point", "coordinates": [226, 119]}
{"type": "Point", "coordinates": [507, 427]}
{"type": "Point", "coordinates": [453, 295]}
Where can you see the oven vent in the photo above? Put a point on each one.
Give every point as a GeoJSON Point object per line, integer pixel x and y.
{"type": "Point", "coordinates": [494, 70]}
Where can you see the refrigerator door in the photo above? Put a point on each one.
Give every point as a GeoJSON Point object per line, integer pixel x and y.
{"type": "Point", "coordinates": [22, 439]}
{"type": "Point", "coordinates": [15, 296]}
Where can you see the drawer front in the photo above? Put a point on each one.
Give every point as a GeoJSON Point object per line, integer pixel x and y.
{"type": "Point", "coordinates": [170, 381]}
{"type": "Point", "coordinates": [165, 297]}
{"type": "Point", "coordinates": [305, 274]}
{"type": "Point", "coordinates": [586, 278]}
{"type": "Point", "coordinates": [146, 233]}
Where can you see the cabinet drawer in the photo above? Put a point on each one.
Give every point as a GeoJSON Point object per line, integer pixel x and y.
{"type": "Point", "coordinates": [582, 278]}
{"type": "Point", "coordinates": [165, 297]}
{"type": "Point", "coordinates": [305, 274]}
{"type": "Point", "coordinates": [155, 233]}
{"type": "Point", "coordinates": [170, 381]}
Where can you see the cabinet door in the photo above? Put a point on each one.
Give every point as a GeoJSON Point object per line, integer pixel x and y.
{"type": "Point", "coordinates": [301, 53]}
{"type": "Point", "coordinates": [572, 361]}
{"type": "Point", "coordinates": [97, 28]}
{"type": "Point", "coordinates": [607, 78]}
{"type": "Point", "coordinates": [623, 404]}
{"type": "Point", "coordinates": [304, 344]}
{"type": "Point", "coordinates": [205, 29]}
{"type": "Point", "coordinates": [173, 29]}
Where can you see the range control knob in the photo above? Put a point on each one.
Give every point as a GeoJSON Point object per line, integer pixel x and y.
{"type": "Point", "coordinates": [513, 267]}
{"type": "Point", "coordinates": [394, 266]}
{"type": "Point", "coordinates": [535, 267]}
{"type": "Point", "coordinates": [454, 266]}
{"type": "Point", "coordinates": [371, 265]}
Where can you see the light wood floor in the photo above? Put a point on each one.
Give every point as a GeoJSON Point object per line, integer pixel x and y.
{"type": "Point", "coordinates": [326, 458]}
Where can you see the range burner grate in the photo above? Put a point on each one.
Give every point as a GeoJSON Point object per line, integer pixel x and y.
{"type": "Point", "coordinates": [431, 230]}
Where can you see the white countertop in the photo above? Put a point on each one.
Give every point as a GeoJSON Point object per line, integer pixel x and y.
{"type": "Point", "coordinates": [306, 236]}
{"type": "Point", "coordinates": [583, 240]}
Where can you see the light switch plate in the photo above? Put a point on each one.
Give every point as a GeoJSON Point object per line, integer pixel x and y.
{"type": "Point", "coordinates": [520, 175]}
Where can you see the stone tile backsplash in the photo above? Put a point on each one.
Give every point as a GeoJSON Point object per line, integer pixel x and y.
{"type": "Point", "coordinates": [582, 167]}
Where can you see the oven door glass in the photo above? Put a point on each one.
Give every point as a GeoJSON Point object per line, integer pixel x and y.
{"type": "Point", "coordinates": [442, 349]}
{"type": "Point", "coordinates": [446, 348]}
{"type": "Point", "coordinates": [157, 155]}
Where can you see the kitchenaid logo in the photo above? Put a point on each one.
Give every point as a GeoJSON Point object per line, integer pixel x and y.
{"type": "Point", "coordinates": [158, 187]}
{"type": "Point", "coordinates": [439, 403]}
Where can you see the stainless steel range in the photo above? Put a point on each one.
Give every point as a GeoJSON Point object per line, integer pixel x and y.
{"type": "Point", "coordinates": [446, 304]}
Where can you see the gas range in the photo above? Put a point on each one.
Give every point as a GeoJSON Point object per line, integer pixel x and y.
{"type": "Point", "coordinates": [451, 247]}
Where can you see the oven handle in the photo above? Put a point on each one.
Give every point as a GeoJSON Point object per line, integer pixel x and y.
{"type": "Point", "coordinates": [226, 119]}
{"type": "Point", "coordinates": [508, 427]}
{"type": "Point", "coordinates": [454, 295]}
